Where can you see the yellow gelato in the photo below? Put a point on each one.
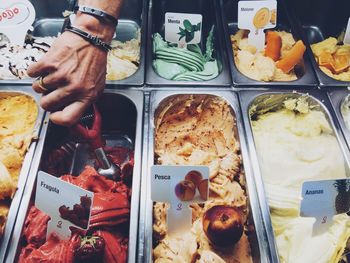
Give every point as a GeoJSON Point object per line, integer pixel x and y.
{"type": "Point", "coordinates": [200, 130]}
{"type": "Point", "coordinates": [296, 144]}
{"type": "Point", "coordinates": [333, 58]}
{"type": "Point", "coordinates": [17, 120]}
{"type": "Point", "coordinates": [124, 59]}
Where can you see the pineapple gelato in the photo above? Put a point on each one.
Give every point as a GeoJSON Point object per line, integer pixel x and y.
{"type": "Point", "coordinates": [17, 120]}
{"type": "Point", "coordinates": [295, 144]}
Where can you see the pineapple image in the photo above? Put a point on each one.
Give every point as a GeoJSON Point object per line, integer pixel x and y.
{"type": "Point", "coordinates": [342, 200]}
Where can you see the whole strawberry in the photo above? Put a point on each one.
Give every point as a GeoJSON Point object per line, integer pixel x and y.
{"type": "Point", "coordinates": [91, 249]}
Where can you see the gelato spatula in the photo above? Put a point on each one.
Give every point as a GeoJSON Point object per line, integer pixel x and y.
{"type": "Point", "coordinates": [89, 129]}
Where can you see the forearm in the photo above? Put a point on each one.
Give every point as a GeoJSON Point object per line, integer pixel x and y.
{"type": "Point", "coordinates": [105, 30]}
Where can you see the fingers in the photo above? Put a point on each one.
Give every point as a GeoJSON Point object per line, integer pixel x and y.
{"type": "Point", "coordinates": [49, 82]}
{"type": "Point", "coordinates": [70, 115]}
{"type": "Point", "coordinates": [40, 68]}
{"type": "Point", "coordinates": [56, 99]}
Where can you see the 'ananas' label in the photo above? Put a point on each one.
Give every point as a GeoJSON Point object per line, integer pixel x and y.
{"type": "Point", "coordinates": [323, 200]}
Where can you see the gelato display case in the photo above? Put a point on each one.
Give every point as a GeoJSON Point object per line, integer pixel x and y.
{"type": "Point", "coordinates": [259, 122]}
{"type": "Point", "coordinates": [323, 30]}
{"type": "Point", "coordinates": [171, 141]}
{"type": "Point", "coordinates": [174, 67]}
{"type": "Point", "coordinates": [115, 208]}
{"type": "Point", "coordinates": [127, 54]}
{"type": "Point", "coordinates": [295, 137]}
{"type": "Point", "coordinates": [21, 119]}
{"type": "Point", "coordinates": [340, 103]}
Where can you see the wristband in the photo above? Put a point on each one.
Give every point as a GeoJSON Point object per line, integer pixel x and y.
{"type": "Point", "coordinates": [96, 12]}
{"type": "Point", "coordinates": [91, 38]}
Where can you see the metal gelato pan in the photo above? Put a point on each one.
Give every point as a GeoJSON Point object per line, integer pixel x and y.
{"type": "Point", "coordinates": [229, 13]}
{"type": "Point", "coordinates": [118, 129]}
{"type": "Point", "coordinates": [254, 104]}
{"type": "Point", "coordinates": [340, 102]}
{"type": "Point", "coordinates": [6, 91]}
{"type": "Point", "coordinates": [256, 228]}
{"type": "Point", "coordinates": [320, 20]}
{"type": "Point", "coordinates": [211, 16]}
{"type": "Point", "coordinates": [133, 18]}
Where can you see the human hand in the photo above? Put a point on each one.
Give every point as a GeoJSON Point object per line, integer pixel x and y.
{"type": "Point", "coordinates": [74, 73]}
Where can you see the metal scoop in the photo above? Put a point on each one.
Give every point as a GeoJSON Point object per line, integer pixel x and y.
{"type": "Point", "coordinates": [93, 137]}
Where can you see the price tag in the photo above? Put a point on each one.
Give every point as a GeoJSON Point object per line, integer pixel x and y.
{"type": "Point", "coordinates": [323, 200]}
{"type": "Point", "coordinates": [183, 29]}
{"type": "Point", "coordinates": [66, 204]}
{"type": "Point", "coordinates": [347, 34]}
{"type": "Point", "coordinates": [256, 16]}
{"type": "Point", "coordinates": [16, 18]}
{"type": "Point", "coordinates": [180, 186]}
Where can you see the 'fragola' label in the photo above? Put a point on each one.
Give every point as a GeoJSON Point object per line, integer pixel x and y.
{"type": "Point", "coordinates": [66, 204]}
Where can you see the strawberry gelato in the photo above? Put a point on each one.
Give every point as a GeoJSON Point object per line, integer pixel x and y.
{"type": "Point", "coordinates": [107, 236]}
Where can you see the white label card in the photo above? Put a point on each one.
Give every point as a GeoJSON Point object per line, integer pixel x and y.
{"type": "Point", "coordinates": [66, 204]}
{"type": "Point", "coordinates": [256, 16]}
{"type": "Point", "coordinates": [347, 34]}
{"type": "Point", "coordinates": [16, 18]}
{"type": "Point", "coordinates": [179, 186]}
{"type": "Point", "coordinates": [183, 29]}
{"type": "Point", "coordinates": [324, 199]}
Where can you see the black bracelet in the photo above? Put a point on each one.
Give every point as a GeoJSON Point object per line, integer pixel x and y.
{"type": "Point", "coordinates": [96, 12]}
{"type": "Point", "coordinates": [91, 38]}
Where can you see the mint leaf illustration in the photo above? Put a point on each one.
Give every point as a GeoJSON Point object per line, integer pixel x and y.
{"type": "Point", "coordinates": [187, 25]}
{"type": "Point", "coordinates": [188, 31]}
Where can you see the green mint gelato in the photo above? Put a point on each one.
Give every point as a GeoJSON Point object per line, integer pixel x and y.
{"type": "Point", "coordinates": [184, 64]}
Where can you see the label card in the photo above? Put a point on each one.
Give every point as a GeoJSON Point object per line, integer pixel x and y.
{"type": "Point", "coordinates": [16, 18]}
{"type": "Point", "coordinates": [256, 16]}
{"type": "Point", "coordinates": [179, 186]}
{"type": "Point", "coordinates": [67, 205]}
{"type": "Point", "coordinates": [183, 29]}
{"type": "Point", "coordinates": [347, 34]}
{"type": "Point", "coordinates": [323, 200]}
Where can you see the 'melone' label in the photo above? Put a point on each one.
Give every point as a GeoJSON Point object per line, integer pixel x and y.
{"type": "Point", "coordinates": [179, 186]}
{"type": "Point", "coordinates": [183, 29]}
{"type": "Point", "coordinates": [66, 204]}
{"type": "Point", "coordinates": [256, 16]}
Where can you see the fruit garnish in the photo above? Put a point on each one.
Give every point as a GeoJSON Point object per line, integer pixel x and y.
{"type": "Point", "coordinates": [325, 60]}
{"type": "Point", "coordinates": [341, 63]}
{"type": "Point", "coordinates": [223, 225]}
{"type": "Point", "coordinates": [273, 45]}
{"type": "Point", "coordinates": [91, 247]}
{"type": "Point", "coordinates": [292, 58]}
